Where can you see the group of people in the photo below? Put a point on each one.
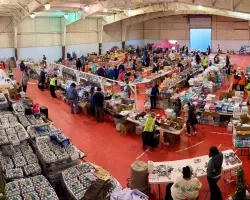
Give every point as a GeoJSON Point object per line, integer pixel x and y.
{"type": "Point", "coordinates": [187, 186]}
{"type": "Point", "coordinates": [95, 98]}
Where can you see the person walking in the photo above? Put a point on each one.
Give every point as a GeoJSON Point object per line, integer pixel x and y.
{"type": "Point", "coordinates": [42, 79]}
{"type": "Point", "coordinates": [149, 131]}
{"type": "Point", "coordinates": [98, 101]}
{"type": "Point", "coordinates": [53, 84]}
{"type": "Point", "coordinates": [214, 168]}
{"type": "Point", "coordinates": [25, 80]}
{"type": "Point", "coordinates": [191, 120]}
{"type": "Point", "coordinates": [73, 99]}
{"type": "Point", "coordinates": [153, 96]}
{"type": "Point", "coordinates": [242, 81]}
{"type": "Point", "coordinates": [78, 64]}
{"type": "Point", "coordinates": [22, 68]}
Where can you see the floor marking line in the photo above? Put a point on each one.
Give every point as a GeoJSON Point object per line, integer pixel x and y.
{"type": "Point", "coordinates": [219, 146]}
{"type": "Point", "coordinates": [189, 147]}
{"type": "Point", "coordinates": [142, 154]}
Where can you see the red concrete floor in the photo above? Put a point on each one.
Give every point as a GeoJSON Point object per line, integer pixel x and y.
{"type": "Point", "coordinates": [115, 152]}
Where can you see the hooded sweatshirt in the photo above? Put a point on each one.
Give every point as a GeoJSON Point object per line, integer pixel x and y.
{"type": "Point", "coordinates": [214, 167]}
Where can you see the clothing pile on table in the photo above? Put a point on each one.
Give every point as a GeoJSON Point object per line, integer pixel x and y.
{"type": "Point", "coordinates": [127, 194]}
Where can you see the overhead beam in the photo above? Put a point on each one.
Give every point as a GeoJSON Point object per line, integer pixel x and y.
{"type": "Point", "coordinates": [237, 4]}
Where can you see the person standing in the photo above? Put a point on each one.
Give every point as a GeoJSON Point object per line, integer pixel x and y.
{"type": "Point", "coordinates": [98, 101]}
{"type": "Point", "coordinates": [73, 98]}
{"type": "Point", "coordinates": [236, 80]}
{"type": "Point", "coordinates": [176, 109]}
{"type": "Point", "coordinates": [191, 120]}
{"type": "Point", "coordinates": [242, 81]}
{"type": "Point", "coordinates": [228, 74]}
{"type": "Point", "coordinates": [127, 89]}
{"type": "Point", "coordinates": [22, 68]}
{"type": "Point", "coordinates": [147, 61]}
{"type": "Point", "coordinates": [86, 67]}
{"type": "Point", "coordinates": [44, 61]}
{"type": "Point", "coordinates": [25, 80]}
{"type": "Point", "coordinates": [101, 71]}
{"type": "Point", "coordinates": [53, 84]}
{"type": "Point", "coordinates": [214, 168]}
{"type": "Point", "coordinates": [42, 79]}
{"type": "Point", "coordinates": [248, 93]}
{"type": "Point", "coordinates": [116, 73]}
{"type": "Point", "coordinates": [10, 72]}
{"type": "Point", "coordinates": [90, 100]}
{"type": "Point", "coordinates": [78, 64]}
{"type": "Point", "coordinates": [153, 96]}
{"type": "Point", "coordinates": [204, 63]}
{"type": "Point", "coordinates": [148, 132]}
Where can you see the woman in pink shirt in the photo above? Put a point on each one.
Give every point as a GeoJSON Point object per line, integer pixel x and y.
{"type": "Point", "coordinates": [121, 76]}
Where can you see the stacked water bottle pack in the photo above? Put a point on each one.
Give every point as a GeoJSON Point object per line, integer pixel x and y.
{"type": "Point", "coordinates": [22, 163]}
{"type": "Point", "coordinates": [79, 178]}
{"type": "Point", "coordinates": [35, 188]}
{"type": "Point", "coordinates": [51, 152]}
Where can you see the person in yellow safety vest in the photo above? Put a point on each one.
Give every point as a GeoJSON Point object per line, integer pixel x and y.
{"type": "Point", "coordinates": [53, 84]}
{"type": "Point", "coordinates": [148, 135]}
{"type": "Point", "coordinates": [116, 55]}
{"type": "Point", "coordinates": [204, 63]}
{"type": "Point", "coordinates": [248, 93]}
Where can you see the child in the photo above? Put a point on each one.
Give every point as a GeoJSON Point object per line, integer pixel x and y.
{"type": "Point", "coordinates": [10, 73]}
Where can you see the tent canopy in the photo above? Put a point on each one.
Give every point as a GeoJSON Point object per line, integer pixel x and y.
{"type": "Point", "coordinates": [165, 44]}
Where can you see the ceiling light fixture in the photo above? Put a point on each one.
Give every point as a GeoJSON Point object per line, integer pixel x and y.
{"type": "Point", "coordinates": [129, 10]}
{"type": "Point", "coordinates": [66, 16]}
{"type": "Point", "coordinates": [86, 8]}
{"type": "Point", "coordinates": [200, 7]}
{"type": "Point", "coordinates": [176, 10]}
{"type": "Point", "coordinates": [32, 15]}
{"type": "Point", "coordinates": [105, 10]}
{"type": "Point", "coordinates": [47, 6]}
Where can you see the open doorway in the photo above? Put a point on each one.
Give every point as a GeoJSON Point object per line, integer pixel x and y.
{"type": "Point", "coordinates": [200, 39]}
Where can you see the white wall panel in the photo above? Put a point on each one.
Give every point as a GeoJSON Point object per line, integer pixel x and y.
{"type": "Point", "coordinates": [37, 40]}
{"type": "Point", "coordinates": [106, 46]}
{"type": "Point", "coordinates": [82, 49]}
{"type": "Point", "coordinates": [40, 24]}
{"type": "Point", "coordinates": [135, 43]}
{"type": "Point", "coordinates": [7, 53]}
{"type": "Point", "coordinates": [134, 34]}
{"type": "Point", "coordinates": [229, 44]}
{"type": "Point", "coordinates": [6, 40]}
{"type": "Point", "coordinates": [36, 53]}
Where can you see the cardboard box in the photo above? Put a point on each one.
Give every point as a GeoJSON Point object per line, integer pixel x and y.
{"type": "Point", "coordinates": [83, 108]}
{"type": "Point", "coordinates": [244, 119]}
{"type": "Point", "coordinates": [127, 127]}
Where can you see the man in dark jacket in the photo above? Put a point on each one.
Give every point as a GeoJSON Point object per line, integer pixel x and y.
{"type": "Point", "coordinates": [191, 120]}
{"type": "Point", "coordinates": [22, 68]}
{"type": "Point", "coordinates": [78, 64]}
{"type": "Point", "coordinates": [153, 96]}
{"type": "Point", "coordinates": [101, 72]}
{"type": "Point", "coordinates": [42, 79]}
{"type": "Point", "coordinates": [98, 101]}
{"type": "Point", "coordinates": [73, 98]}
